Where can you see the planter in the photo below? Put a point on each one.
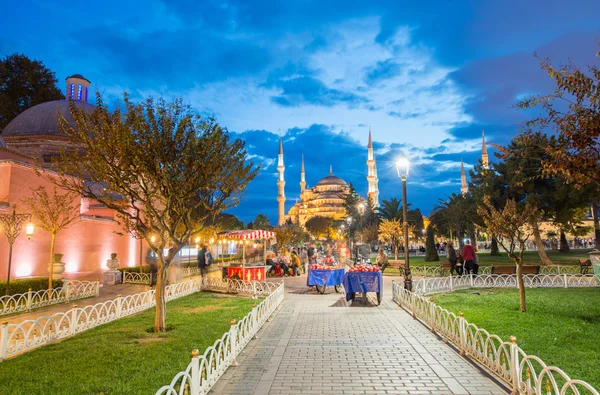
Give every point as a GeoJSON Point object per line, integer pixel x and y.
{"type": "Point", "coordinates": [58, 267]}
{"type": "Point", "coordinates": [113, 262]}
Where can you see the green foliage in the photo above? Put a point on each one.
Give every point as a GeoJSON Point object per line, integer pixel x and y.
{"type": "Point", "coordinates": [391, 209]}
{"type": "Point", "coordinates": [136, 269]}
{"type": "Point", "coordinates": [560, 328]}
{"type": "Point", "coordinates": [319, 227]}
{"type": "Point", "coordinates": [24, 83]}
{"type": "Point", "coordinates": [261, 222]}
{"type": "Point", "coordinates": [457, 215]}
{"type": "Point", "coordinates": [133, 360]}
{"type": "Point", "coordinates": [22, 285]}
{"type": "Point", "coordinates": [290, 236]}
{"type": "Point", "coordinates": [431, 254]}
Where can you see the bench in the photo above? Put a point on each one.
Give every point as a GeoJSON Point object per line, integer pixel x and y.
{"type": "Point", "coordinates": [584, 266]}
{"type": "Point", "coordinates": [530, 269]}
{"type": "Point", "coordinates": [444, 266]}
{"type": "Point", "coordinates": [504, 269]}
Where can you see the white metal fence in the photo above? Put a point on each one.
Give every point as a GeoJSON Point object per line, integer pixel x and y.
{"type": "Point", "coordinates": [30, 334]}
{"type": "Point", "coordinates": [146, 278]}
{"type": "Point", "coordinates": [525, 374]}
{"type": "Point", "coordinates": [204, 370]}
{"type": "Point", "coordinates": [448, 284]}
{"type": "Point", "coordinates": [436, 271]}
{"type": "Point", "coordinates": [71, 290]}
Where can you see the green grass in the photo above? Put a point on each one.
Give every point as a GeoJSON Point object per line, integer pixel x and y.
{"type": "Point", "coordinates": [530, 257]}
{"type": "Point", "coordinates": [561, 326]}
{"type": "Point", "coordinates": [122, 357]}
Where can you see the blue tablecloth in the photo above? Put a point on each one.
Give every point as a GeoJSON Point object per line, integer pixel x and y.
{"type": "Point", "coordinates": [324, 277]}
{"type": "Point", "coordinates": [362, 282]}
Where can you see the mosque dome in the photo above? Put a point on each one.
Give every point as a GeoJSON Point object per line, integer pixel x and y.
{"type": "Point", "coordinates": [2, 143]}
{"type": "Point", "coordinates": [43, 119]}
{"type": "Point", "coordinates": [331, 180]}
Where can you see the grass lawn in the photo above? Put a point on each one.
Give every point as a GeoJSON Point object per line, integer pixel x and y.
{"type": "Point", "coordinates": [531, 258]}
{"type": "Point", "coordinates": [122, 357]}
{"type": "Point", "coordinates": [561, 326]}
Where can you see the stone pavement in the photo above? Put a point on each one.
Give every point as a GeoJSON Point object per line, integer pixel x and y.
{"type": "Point", "coordinates": [320, 344]}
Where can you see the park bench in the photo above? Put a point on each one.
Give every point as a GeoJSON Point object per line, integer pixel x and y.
{"type": "Point", "coordinates": [444, 266]}
{"type": "Point", "coordinates": [530, 269]}
{"type": "Point", "coordinates": [503, 269]}
{"type": "Point", "coordinates": [584, 266]}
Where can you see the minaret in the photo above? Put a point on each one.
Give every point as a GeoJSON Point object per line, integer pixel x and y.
{"type": "Point", "coordinates": [484, 155]}
{"type": "Point", "coordinates": [463, 179]}
{"type": "Point", "coordinates": [302, 177]}
{"type": "Point", "coordinates": [373, 193]}
{"type": "Point", "coordinates": [280, 185]}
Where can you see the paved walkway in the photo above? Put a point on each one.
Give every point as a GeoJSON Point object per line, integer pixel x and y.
{"type": "Point", "coordinates": [319, 344]}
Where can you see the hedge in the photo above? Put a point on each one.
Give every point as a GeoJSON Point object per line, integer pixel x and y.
{"type": "Point", "coordinates": [22, 285]}
{"type": "Point", "coordinates": [135, 269]}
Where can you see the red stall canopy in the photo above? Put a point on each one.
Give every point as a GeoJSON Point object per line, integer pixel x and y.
{"type": "Point", "coordinates": [248, 234]}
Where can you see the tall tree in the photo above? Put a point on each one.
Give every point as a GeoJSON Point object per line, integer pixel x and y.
{"type": "Point", "coordinates": [572, 111]}
{"type": "Point", "coordinates": [431, 254]}
{"type": "Point", "coordinates": [319, 227]}
{"type": "Point", "coordinates": [392, 232]}
{"type": "Point", "coordinates": [53, 212]}
{"type": "Point", "coordinates": [512, 227]}
{"type": "Point", "coordinates": [290, 236]}
{"type": "Point", "coordinates": [458, 212]}
{"type": "Point", "coordinates": [23, 84]}
{"type": "Point", "coordinates": [261, 222]}
{"type": "Point", "coordinates": [163, 169]}
{"type": "Point", "coordinates": [391, 209]}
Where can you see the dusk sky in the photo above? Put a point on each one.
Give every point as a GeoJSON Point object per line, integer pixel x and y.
{"type": "Point", "coordinates": [426, 76]}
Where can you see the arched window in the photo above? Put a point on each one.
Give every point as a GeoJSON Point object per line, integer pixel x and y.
{"type": "Point", "coordinates": [79, 91]}
{"type": "Point", "coordinates": [72, 91]}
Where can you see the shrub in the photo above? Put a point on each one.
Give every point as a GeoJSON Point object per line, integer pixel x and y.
{"type": "Point", "coordinates": [22, 285]}
{"type": "Point", "coordinates": [136, 269]}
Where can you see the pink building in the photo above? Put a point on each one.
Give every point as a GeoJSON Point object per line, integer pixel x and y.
{"type": "Point", "coordinates": [88, 243]}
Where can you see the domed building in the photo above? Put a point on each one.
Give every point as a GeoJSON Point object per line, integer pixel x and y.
{"type": "Point", "coordinates": [325, 199]}
{"type": "Point", "coordinates": [28, 145]}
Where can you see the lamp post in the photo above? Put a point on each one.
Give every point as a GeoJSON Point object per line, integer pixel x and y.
{"type": "Point", "coordinates": [12, 225]}
{"type": "Point", "coordinates": [402, 167]}
{"type": "Point", "coordinates": [350, 238]}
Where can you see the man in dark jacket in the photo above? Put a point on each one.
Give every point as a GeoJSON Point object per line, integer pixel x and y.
{"type": "Point", "coordinates": [452, 258]}
{"type": "Point", "coordinates": [202, 261]}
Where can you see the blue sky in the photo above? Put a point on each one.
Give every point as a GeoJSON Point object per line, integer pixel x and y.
{"type": "Point", "coordinates": [426, 77]}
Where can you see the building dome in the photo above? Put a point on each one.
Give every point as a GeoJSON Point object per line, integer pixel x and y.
{"type": "Point", "coordinates": [43, 119]}
{"type": "Point", "coordinates": [2, 143]}
{"type": "Point", "coordinates": [331, 180]}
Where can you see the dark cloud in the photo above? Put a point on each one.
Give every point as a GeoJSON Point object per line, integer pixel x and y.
{"type": "Point", "coordinates": [309, 90]}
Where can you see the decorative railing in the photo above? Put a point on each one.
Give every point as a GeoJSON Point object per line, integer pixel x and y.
{"type": "Point", "coordinates": [146, 278]}
{"type": "Point", "coordinates": [524, 374]}
{"type": "Point", "coordinates": [191, 271]}
{"type": "Point", "coordinates": [30, 334]}
{"type": "Point", "coordinates": [204, 370]}
{"type": "Point", "coordinates": [71, 290]}
{"type": "Point", "coordinates": [446, 284]}
{"type": "Point", "coordinates": [436, 271]}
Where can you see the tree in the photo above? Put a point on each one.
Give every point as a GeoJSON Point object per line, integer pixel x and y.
{"type": "Point", "coordinates": [573, 112]}
{"type": "Point", "coordinates": [431, 254]}
{"type": "Point", "coordinates": [261, 222]}
{"type": "Point", "coordinates": [319, 227]}
{"type": "Point", "coordinates": [391, 209]}
{"type": "Point", "coordinates": [163, 169]}
{"type": "Point", "coordinates": [391, 232]}
{"type": "Point", "coordinates": [512, 227]}
{"type": "Point", "coordinates": [290, 236]}
{"type": "Point", "coordinates": [53, 212]}
{"type": "Point", "coordinates": [23, 84]}
{"type": "Point", "coordinates": [458, 213]}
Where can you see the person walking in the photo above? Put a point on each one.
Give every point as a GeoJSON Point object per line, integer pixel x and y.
{"type": "Point", "coordinates": [468, 255]}
{"type": "Point", "coordinates": [202, 261]}
{"type": "Point", "coordinates": [295, 263]}
{"type": "Point", "coordinates": [452, 258]}
{"type": "Point", "coordinates": [312, 254]}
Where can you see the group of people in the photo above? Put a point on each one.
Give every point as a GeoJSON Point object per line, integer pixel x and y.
{"type": "Point", "coordinates": [465, 262]}
{"type": "Point", "coordinates": [284, 263]}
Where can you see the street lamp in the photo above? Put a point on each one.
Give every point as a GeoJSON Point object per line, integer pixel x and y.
{"type": "Point", "coordinates": [402, 166]}
{"type": "Point", "coordinates": [12, 225]}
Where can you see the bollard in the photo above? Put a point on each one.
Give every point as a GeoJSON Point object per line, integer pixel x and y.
{"type": "Point", "coordinates": [29, 300]}
{"type": "Point", "coordinates": [195, 382]}
{"type": "Point", "coordinates": [3, 340]}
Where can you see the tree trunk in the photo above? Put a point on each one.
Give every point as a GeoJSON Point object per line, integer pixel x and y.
{"type": "Point", "coordinates": [521, 288]}
{"type": "Point", "coordinates": [564, 245]}
{"type": "Point", "coordinates": [396, 251]}
{"type": "Point", "coordinates": [159, 297]}
{"type": "Point", "coordinates": [51, 266]}
{"type": "Point", "coordinates": [596, 215]}
{"type": "Point", "coordinates": [494, 250]}
{"type": "Point", "coordinates": [539, 245]}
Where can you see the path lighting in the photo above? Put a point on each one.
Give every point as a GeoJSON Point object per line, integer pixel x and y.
{"type": "Point", "coordinates": [12, 225]}
{"type": "Point", "coordinates": [402, 167]}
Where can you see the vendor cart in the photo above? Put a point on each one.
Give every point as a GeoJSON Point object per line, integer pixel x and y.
{"type": "Point", "coordinates": [248, 272]}
{"type": "Point", "coordinates": [325, 278]}
{"type": "Point", "coordinates": [363, 282]}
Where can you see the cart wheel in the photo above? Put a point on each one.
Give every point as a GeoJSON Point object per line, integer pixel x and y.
{"type": "Point", "coordinates": [337, 288]}
{"type": "Point", "coordinates": [320, 288]}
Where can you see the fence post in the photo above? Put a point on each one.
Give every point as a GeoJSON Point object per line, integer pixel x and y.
{"type": "Point", "coordinates": [432, 315]}
{"type": "Point", "coordinates": [424, 286]}
{"type": "Point", "coordinates": [67, 292]}
{"type": "Point", "coordinates": [462, 344]}
{"type": "Point", "coordinates": [119, 303]}
{"type": "Point", "coordinates": [4, 340]}
{"type": "Point", "coordinates": [29, 300]}
{"type": "Point", "coordinates": [471, 279]}
{"type": "Point", "coordinates": [73, 319]}
{"type": "Point", "coordinates": [195, 381]}
{"type": "Point", "coordinates": [97, 288]}
{"type": "Point", "coordinates": [514, 365]}
{"type": "Point", "coordinates": [565, 278]}
{"type": "Point", "coordinates": [451, 281]}
{"type": "Point", "coordinates": [253, 289]}
{"type": "Point", "coordinates": [234, 343]}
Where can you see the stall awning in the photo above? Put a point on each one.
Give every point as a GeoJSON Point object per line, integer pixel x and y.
{"type": "Point", "coordinates": [248, 234]}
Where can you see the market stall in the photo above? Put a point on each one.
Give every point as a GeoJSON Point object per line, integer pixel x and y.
{"type": "Point", "coordinates": [363, 279]}
{"type": "Point", "coordinates": [247, 271]}
{"type": "Point", "coordinates": [325, 274]}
